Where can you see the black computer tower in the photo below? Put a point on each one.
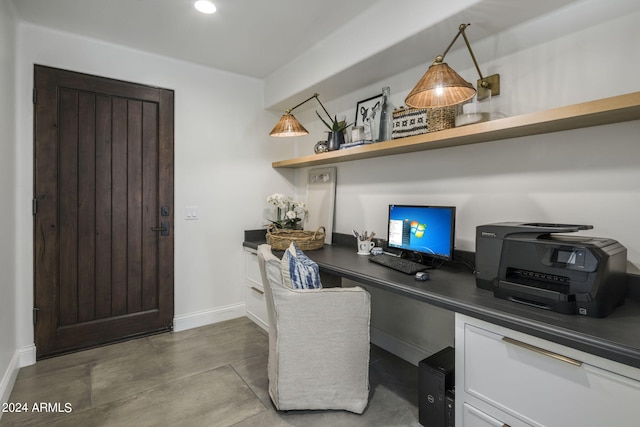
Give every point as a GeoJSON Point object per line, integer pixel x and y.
{"type": "Point", "coordinates": [437, 389]}
{"type": "Point", "coordinates": [450, 407]}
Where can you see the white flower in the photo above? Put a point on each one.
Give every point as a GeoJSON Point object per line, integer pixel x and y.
{"type": "Point", "coordinates": [278, 200]}
{"type": "Point", "coordinates": [275, 198]}
{"type": "Point", "coordinates": [300, 207]}
{"type": "Point", "coordinates": [289, 211]}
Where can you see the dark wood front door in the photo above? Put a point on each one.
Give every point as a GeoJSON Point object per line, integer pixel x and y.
{"type": "Point", "coordinates": [103, 204]}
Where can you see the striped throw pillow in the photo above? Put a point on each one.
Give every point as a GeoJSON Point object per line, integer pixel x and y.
{"type": "Point", "coordinates": [298, 270]}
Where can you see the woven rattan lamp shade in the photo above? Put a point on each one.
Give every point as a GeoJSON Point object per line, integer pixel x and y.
{"type": "Point", "coordinates": [440, 86]}
{"type": "Point", "coordinates": [288, 126]}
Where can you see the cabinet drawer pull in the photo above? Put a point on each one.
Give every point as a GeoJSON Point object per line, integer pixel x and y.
{"type": "Point", "coordinates": [542, 351]}
{"type": "Point", "coordinates": [261, 292]}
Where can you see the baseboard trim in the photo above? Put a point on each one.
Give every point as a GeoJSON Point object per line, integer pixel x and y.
{"type": "Point", "coordinates": [401, 348]}
{"type": "Point", "coordinates": [257, 321]}
{"type": "Point", "coordinates": [27, 355]}
{"type": "Point", "coordinates": [9, 379]}
{"type": "Point", "coordinates": [207, 317]}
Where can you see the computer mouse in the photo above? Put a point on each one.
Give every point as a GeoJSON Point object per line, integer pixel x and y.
{"type": "Point", "coordinates": [422, 276]}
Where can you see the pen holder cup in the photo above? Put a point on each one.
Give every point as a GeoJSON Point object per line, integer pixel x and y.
{"type": "Point", "coordinates": [365, 246]}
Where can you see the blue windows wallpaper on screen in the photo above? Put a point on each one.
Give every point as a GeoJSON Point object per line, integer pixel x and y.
{"type": "Point", "coordinates": [424, 229]}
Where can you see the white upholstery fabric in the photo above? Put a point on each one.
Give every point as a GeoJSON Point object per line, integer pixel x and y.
{"type": "Point", "coordinates": [318, 343]}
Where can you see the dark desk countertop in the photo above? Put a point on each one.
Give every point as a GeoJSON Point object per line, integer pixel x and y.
{"type": "Point", "coordinates": [452, 287]}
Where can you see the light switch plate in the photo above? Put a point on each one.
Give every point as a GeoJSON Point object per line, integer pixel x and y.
{"type": "Point", "coordinates": [190, 212]}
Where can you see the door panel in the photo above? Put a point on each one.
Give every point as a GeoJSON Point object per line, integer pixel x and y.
{"type": "Point", "coordinates": [103, 204]}
{"type": "Point", "coordinates": [103, 168]}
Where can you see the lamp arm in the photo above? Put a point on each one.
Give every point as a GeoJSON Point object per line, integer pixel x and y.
{"type": "Point", "coordinates": [315, 95]}
{"type": "Point", "coordinates": [461, 29]}
{"type": "Point", "coordinates": [473, 57]}
{"type": "Point", "coordinates": [325, 110]}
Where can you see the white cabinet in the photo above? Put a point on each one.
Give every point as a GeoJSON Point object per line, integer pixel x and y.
{"type": "Point", "coordinates": [254, 292]}
{"type": "Point", "coordinates": [507, 377]}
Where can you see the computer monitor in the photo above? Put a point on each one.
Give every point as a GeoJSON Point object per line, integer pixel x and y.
{"type": "Point", "coordinates": [425, 230]}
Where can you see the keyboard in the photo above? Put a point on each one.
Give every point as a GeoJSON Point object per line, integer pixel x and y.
{"type": "Point", "coordinates": [396, 263]}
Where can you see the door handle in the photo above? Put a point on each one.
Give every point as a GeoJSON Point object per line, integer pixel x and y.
{"type": "Point", "coordinates": [163, 229]}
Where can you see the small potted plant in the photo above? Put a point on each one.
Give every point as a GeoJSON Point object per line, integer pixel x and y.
{"type": "Point", "coordinates": [289, 212]}
{"type": "Point", "coordinates": [336, 130]}
{"type": "Point", "coordinates": [287, 227]}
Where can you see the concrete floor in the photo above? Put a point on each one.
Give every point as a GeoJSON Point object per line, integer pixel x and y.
{"type": "Point", "coordinates": [210, 376]}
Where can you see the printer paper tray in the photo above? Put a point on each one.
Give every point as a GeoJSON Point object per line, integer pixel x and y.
{"type": "Point", "coordinates": [533, 291]}
{"type": "Point", "coordinates": [532, 296]}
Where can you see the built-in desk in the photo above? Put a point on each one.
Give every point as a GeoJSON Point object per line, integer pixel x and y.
{"type": "Point", "coordinates": [452, 287]}
{"type": "Point", "coordinates": [514, 363]}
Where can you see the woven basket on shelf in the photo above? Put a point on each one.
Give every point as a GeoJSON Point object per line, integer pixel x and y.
{"type": "Point", "coordinates": [408, 121]}
{"type": "Point", "coordinates": [280, 239]}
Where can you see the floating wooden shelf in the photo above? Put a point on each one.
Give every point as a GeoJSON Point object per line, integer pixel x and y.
{"type": "Point", "coordinates": [594, 113]}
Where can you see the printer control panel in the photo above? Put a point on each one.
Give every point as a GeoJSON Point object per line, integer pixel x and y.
{"type": "Point", "coordinates": [570, 258]}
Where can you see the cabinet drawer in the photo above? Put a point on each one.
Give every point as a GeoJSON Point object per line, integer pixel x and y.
{"type": "Point", "coordinates": [473, 417]}
{"type": "Point", "coordinates": [256, 305]}
{"type": "Point", "coordinates": [543, 387]}
{"type": "Point", "coordinates": [251, 267]}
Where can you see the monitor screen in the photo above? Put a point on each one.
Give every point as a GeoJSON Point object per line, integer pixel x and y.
{"type": "Point", "coordinates": [427, 230]}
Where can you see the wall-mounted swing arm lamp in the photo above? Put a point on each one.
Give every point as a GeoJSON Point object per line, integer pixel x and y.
{"type": "Point", "coordinates": [288, 125]}
{"type": "Point", "coordinates": [441, 86]}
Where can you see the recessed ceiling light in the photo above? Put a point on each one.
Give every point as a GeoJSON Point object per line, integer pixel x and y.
{"type": "Point", "coordinates": [205, 6]}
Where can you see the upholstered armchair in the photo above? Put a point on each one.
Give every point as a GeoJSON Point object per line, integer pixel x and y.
{"type": "Point", "coordinates": [318, 343]}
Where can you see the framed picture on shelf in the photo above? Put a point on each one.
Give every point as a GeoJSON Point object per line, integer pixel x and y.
{"type": "Point", "coordinates": [368, 116]}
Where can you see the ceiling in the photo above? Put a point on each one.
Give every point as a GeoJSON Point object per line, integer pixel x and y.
{"type": "Point", "coordinates": [248, 37]}
{"type": "Point", "coordinates": [284, 41]}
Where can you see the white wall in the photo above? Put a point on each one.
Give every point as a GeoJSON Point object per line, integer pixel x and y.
{"type": "Point", "coordinates": [222, 165]}
{"type": "Point", "coordinates": [585, 176]}
{"type": "Point", "coordinates": [8, 347]}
